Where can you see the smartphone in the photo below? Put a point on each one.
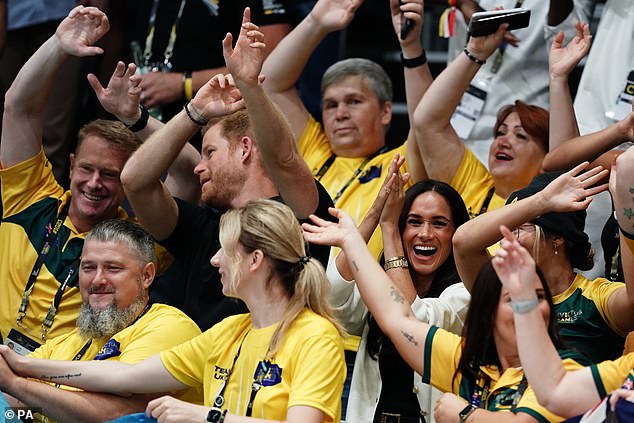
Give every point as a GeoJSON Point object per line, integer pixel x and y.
{"type": "Point", "coordinates": [486, 23]}
{"type": "Point", "coordinates": [406, 25]}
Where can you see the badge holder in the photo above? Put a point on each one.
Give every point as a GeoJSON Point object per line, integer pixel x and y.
{"type": "Point", "coordinates": [20, 343]}
{"type": "Point", "coordinates": [470, 108]}
{"type": "Point", "coordinates": [623, 105]}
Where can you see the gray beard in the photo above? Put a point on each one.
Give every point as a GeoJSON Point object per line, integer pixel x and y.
{"type": "Point", "coordinates": [103, 324]}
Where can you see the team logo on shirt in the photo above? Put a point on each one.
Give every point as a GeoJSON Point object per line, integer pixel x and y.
{"type": "Point", "coordinates": [570, 316]}
{"type": "Point", "coordinates": [112, 348]}
{"type": "Point", "coordinates": [372, 173]}
{"type": "Point", "coordinates": [221, 373]}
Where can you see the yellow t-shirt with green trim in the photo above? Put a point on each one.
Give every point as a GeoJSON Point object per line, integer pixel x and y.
{"type": "Point", "coordinates": [31, 200]}
{"type": "Point", "coordinates": [308, 369]}
{"type": "Point", "coordinates": [473, 182]}
{"type": "Point", "coordinates": [357, 198]}
{"type": "Point", "coordinates": [614, 374]}
{"type": "Point", "coordinates": [584, 319]}
{"type": "Point", "coordinates": [496, 391]}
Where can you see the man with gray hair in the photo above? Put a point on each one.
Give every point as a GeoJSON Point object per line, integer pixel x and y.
{"type": "Point", "coordinates": [348, 152]}
{"type": "Point", "coordinates": [116, 322]}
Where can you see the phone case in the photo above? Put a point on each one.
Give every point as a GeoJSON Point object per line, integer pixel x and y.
{"type": "Point", "coordinates": [486, 23]}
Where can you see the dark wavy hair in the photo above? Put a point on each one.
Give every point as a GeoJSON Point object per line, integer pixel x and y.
{"type": "Point", "coordinates": [446, 274]}
{"type": "Point", "coordinates": [478, 345]}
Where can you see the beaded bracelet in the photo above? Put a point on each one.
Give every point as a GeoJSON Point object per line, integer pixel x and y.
{"type": "Point", "coordinates": [473, 58]}
{"type": "Point", "coordinates": [198, 119]}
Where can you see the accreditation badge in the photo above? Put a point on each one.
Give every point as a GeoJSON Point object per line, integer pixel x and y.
{"type": "Point", "coordinates": [469, 110]}
{"type": "Point", "coordinates": [623, 105]}
{"type": "Point", "coordinates": [20, 343]}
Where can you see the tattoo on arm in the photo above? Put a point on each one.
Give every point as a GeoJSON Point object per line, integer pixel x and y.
{"type": "Point", "coordinates": [356, 268]}
{"type": "Point", "coordinates": [409, 337]}
{"type": "Point", "coordinates": [396, 294]}
{"type": "Point", "coordinates": [627, 213]}
{"type": "Point", "coordinates": [67, 376]}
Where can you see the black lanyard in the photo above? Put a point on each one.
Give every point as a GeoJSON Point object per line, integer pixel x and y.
{"type": "Point", "coordinates": [49, 241]}
{"type": "Point", "coordinates": [149, 40]}
{"type": "Point", "coordinates": [324, 168]}
{"type": "Point", "coordinates": [256, 385]}
{"type": "Point", "coordinates": [480, 397]}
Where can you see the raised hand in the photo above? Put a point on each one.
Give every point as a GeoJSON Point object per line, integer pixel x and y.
{"type": "Point", "coordinates": [333, 15]}
{"type": "Point", "coordinates": [218, 97]}
{"type": "Point", "coordinates": [81, 29]}
{"type": "Point", "coordinates": [515, 267]}
{"type": "Point", "coordinates": [337, 234]}
{"type": "Point", "coordinates": [395, 193]}
{"type": "Point", "coordinates": [407, 9]}
{"type": "Point", "coordinates": [483, 47]}
{"type": "Point", "coordinates": [574, 189]}
{"type": "Point", "coordinates": [562, 60]}
{"type": "Point", "coordinates": [244, 61]}
{"type": "Point", "coordinates": [122, 95]}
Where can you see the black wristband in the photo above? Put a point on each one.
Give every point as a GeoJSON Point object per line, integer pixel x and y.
{"type": "Point", "coordinates": [141, 123]}
{"type": "Point", "coordinates": [414, 62]}
{"type": "Point", "coordinates": [199, 119]}
{"type": "Point", "coordinates": [473, 58]}
{"type": "Point", "coordinates": [626, 234]}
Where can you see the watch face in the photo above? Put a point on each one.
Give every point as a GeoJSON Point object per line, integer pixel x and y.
{"type": "Point", "coordinates": [214, 415]}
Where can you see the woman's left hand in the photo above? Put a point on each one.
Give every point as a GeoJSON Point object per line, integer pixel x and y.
{"type": "Point", "coordinates": [168, 409]}
{"type": "Point", "coordinates": [448, 407]}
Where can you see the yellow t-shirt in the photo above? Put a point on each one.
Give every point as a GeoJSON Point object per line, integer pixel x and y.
{"type": "Point", "coordinates": [614, 374]}
{"type": "Point", "coordinates": [497, 391]}
{"type": "Point", "coordinates": [308, 370]}
{"type": "Point", "coordinates": [474, 183]}
{"type": "Point", "coordinates": [32, 199]}
{"type": "Point", "coordinates": [160, 328]}
{"type": "Point", "coordinates": [359, 195]}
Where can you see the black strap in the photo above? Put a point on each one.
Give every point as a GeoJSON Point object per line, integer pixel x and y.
{"type": "Point", "coordinates": [324, 168]}
{"type": "Point", "coordinates": [487, 201]}
{"type": "Point", "coordinates": [49, 241]}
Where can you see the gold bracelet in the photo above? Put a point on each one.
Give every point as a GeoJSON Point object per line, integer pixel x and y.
{"type": "Point", "coordinates": [395, 262]}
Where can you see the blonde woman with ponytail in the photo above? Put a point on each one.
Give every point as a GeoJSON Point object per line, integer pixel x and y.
{"type": "Point", "coordinates": [283, 361]}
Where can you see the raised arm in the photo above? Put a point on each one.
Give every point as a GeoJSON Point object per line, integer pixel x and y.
{"type": "Point", "coordinates": [287, 61]}
{"type": "Point", "coordinates": [384, 300]}
{"type": "Point", "coordinates": [621, 188]}
{"type": "Point", "coordinates": [375, 213]}
{"type": "Point", "coordinates": [561, 62]}
{"type": "Point", "coordinates": [541, 363]}
{"type": "Point", "coordinates": [122, 99]}
{"type": "Point", "coordinates": [24, 102]}
{"type": "Point", "coordinates": [439, 145]}
{"type": "Point", "coordinates": [167, 87]}
{"type": "Point", "coordinates": [141, 176]}
{"type": "Point", "coordinates": [417, 74]}
{"type": "Point", "coordinates": [271, 130]}
{"type": "Point", "coordinates": [595, 147]}
{"type": "Point", "coordinates": [570, 191]}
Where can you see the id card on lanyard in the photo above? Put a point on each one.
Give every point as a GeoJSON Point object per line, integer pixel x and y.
{"type": "Point", "coordinates": [623, 105]}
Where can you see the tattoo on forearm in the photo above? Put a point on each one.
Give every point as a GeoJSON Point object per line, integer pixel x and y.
{"type": "Point", "coordinates": [410, 338]}
{"type": "Point", "coordinates": [67, 376]}
{"type": "Point", "coordinates": [631, 190]}
{"type": "Point", "coordinates": [628, 213]}
{"type": "Point", "coordinates": [396, 294]}
{"type": "Point", "coordinates": [354, 264]}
